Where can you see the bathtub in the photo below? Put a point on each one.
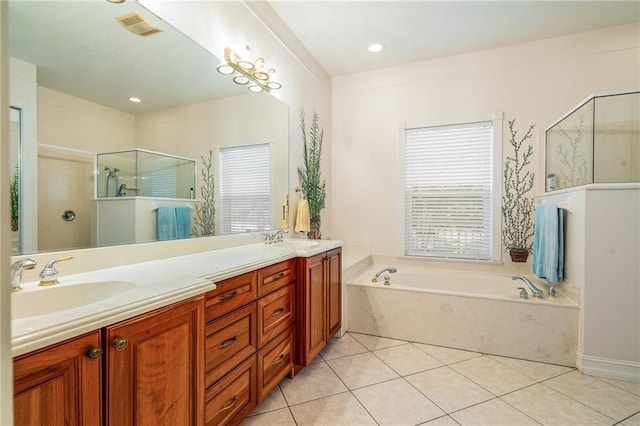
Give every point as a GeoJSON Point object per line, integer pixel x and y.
{"type": "Point", "coordinates": [464, 310]}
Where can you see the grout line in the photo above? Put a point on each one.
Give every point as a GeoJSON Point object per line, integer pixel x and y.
{"type": "Point", "coordinates": [581, 403]}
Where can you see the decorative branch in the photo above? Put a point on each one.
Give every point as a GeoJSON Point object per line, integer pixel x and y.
{"type": "Point", "coordinates": [14, 191]}
{"type": "Point", "coordinates": [309, 175]}
{"type": "Point", "coordinates": [517, 207]}
{"type": "Point", "coordinates": [574, 172]}
{"type": "Point", "coordinates": [204, 223]}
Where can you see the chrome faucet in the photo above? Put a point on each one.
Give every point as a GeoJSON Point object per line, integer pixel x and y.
{"type": "Point", "coordinates": [16, 272]}
{"type": "Point", "coordinates": [275, 237]}
{"type": "Point", "coordinates": [390, 269]}
{"type": "Point", "coordinates": [49, 274]}
{"type": "Point", "coordinates": [534, 289]}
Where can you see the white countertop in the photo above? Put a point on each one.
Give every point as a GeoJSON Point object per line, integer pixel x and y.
{"type": "Point", "coordinates": [157, 284]}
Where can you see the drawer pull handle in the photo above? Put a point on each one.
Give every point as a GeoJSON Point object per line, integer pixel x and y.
{"type": "Point", "coordinates": [94, 353]}
{"type": "Point", "coordinates": [278, 360]}
{"type": "Point", "coordinates": [276, 277]}
{"type": "Point", "coordinates": [228, 296]}
{"type": "Point", "coordinates": [277, 312]}
{"type": "Point", "coordinates": [228, 343]}
{"type": "Point", "coordinates": [229, 405]}
{"type": "Point", "coordinates": [120, 343]}
{"type": "Point", "coordinates": [335, 256]}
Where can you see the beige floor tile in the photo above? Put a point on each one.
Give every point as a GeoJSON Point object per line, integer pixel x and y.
{"type": "Point", "coordinates": [341, 409]}
{"type": "Point", "coordinates": [447, 355]}
{"type": "Point", "coordinates": [407, 359]}
{"type": "Point", "coordinates": [552, 408]}
{"type": "Point", "coordinates": [343, 346]}
{"type": "Point", "coordinates": [603, 397]}
{"type": "Point", "coordinates": [313, 382]}
{"type": "Point", "coordinates": [632, 387]}
{"type": "Point", "coordinates": [397, 403]}
{"type": "Point", "coordinates": [361, 370]}
{"type": "Point", "coordinates": [495, 412]}
{"type": "Point", "coordinates": [374, 342]}
{"type": "Point", "coordinates": [274, 401]}
{"type": "Point", "coordinates": [495, 377]}
{"type": "Point", "coordinates": [448, 389]}
{"type": "Point", "coordinates": [277, 417]}
{"type": "Point", "coordinates": [538, 371]}
{"type": "Point", "coordinates": [442, 421]}
{"type": "Point", "coordinates": [632, 421]}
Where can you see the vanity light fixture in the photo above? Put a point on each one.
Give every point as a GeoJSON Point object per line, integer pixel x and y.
{"type": "Point", "coordinates": [247, 71]}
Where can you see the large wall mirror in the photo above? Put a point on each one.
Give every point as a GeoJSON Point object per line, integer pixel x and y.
{"type": "Point", "coordinates": [91, 168]}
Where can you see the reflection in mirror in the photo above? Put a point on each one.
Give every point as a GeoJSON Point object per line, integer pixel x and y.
{"type": "Point", "coordinates": [15, 119]}
{"type": "Point", "coordinates": [77, 67]}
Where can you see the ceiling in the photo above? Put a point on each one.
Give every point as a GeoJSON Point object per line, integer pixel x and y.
{"type": "Point", "coordinates": [337, 33]}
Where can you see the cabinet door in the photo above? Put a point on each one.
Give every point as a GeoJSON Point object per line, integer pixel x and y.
{"type": "Point", "coordinates": [313, 309]}
{"type": "Point", "coordinates": [155, 367]}
{"type": "Point", "coordinates": [60, 385]}
{"type": "Point", "coordinates": [334, 288]}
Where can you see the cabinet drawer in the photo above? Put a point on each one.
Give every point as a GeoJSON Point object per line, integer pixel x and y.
{"type": "Point", "coordinates": [231, 294]}
{"type": "Point", "coordinates": [230, 340]}
{"type": "Point", "coordinates": [233, 397]}
{"type": "Point", "coordinates": [276, 276]}
{"type": "Point", "coordinates": [275, 361]}
{"type": "Point", "coordinates": [275, 314]}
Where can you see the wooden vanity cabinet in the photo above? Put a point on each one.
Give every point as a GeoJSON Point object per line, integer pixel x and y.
{"type": "Point", "coordinates": [60, 384]}
{"type": "Point", "coordinates": [319, 303]}
{"type": "Point", "coordinates": [154, 367]}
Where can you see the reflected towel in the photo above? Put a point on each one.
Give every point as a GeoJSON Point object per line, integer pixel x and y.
{"type": "Point", "coordinates": [183, 222]}
{"type": "Point", "coordinates": [548, 243]}
{"type": "Point", "coordinates": [167, 224]}
{"type": "Point", "coordinates": [303, 219]}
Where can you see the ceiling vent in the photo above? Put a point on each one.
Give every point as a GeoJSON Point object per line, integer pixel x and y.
{"type": "Point", "coordinates": [135, 23]}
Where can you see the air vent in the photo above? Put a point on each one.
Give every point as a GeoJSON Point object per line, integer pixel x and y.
{"type": "Point", "coordinates": [135, 23]}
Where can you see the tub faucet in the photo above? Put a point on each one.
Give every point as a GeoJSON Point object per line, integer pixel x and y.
{"type": "Point", "coordinates": [534, 289]}
{"type": "Point", "coordinates": [16, 272]}
{"type": "Point", "coordinates": [276, 237]}
{"type": "Point", "coordinates": [390, 269]}
{"type": "Point", "coordinates": [49, 274]}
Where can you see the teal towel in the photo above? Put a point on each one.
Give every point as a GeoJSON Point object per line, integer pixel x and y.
{"type": "Point", "coordinates": [167, 225]}
{"type": "Point", "coordinates": [183, 222]}
{"type": "Point", "coordinates": [548, 243]}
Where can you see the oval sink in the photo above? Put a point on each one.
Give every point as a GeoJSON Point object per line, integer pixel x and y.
{"type": "Point", "coordinates": [46, 300]}
{"type": "Point", "coordinates": [300, 245]}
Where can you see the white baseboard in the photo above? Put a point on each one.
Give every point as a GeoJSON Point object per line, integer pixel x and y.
{"type": "Point", "coordinates": [609, 368]}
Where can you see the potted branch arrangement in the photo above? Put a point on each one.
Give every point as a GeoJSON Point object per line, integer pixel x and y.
{"type": "Point", "coordinates": [14, 190]}
{"type": "Point", "coordinates": [204, 224]}
{"type": "Point", "coordinates": [309, 174]}
{"type": "Point", "coordinates": [517, 206]}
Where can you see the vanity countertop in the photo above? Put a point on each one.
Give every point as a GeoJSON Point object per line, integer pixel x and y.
{"type": "Point", "coordinates": [152, 285]}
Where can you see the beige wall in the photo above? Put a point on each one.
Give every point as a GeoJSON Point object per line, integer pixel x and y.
{"type": "Point", "coordinates": [536, 83]}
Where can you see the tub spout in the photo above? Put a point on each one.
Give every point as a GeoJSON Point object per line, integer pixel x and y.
{"type": "Point", "coordinates": [534, 289]}
{"type": "Point", "coordinates": [390, 269]}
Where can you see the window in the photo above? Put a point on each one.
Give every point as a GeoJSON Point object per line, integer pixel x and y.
{"type": "Point", "coordinates": [245, 188]}
{"type": "Point", "coordinates": [449, 189]}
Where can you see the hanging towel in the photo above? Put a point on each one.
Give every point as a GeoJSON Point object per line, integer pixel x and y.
{"type": "Point", "coordinates": [548, 243]}
{"type": "Point", "coordinates": [183, 222]}
{"type": "Point", "coordinates": [167, 224]}
{"type": "Point", "coordinates": [303, 220]}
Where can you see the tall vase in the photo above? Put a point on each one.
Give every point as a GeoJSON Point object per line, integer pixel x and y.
{"type": "Point", "coordinates": [314, 233]}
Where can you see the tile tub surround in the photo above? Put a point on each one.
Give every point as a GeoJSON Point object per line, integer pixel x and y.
{"type": "Point", "coordinates": [157, 283]}
{"type": "Point", "coordinates": [453, 387]}
{"type": "Point", "coordinates": [533, 329]}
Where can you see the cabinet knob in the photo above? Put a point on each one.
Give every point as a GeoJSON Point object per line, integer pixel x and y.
{"type": "Point", "coordinates": [94, 353]}
{"type": "Point", "coordinates": [120, 343]}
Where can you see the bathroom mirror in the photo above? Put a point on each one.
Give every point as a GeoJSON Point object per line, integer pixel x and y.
{"type": "Point", "coordinates": [74, 67]}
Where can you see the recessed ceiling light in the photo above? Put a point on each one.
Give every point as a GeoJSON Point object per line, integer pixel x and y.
{"type": "Point", "coordinates": [375, 48]}
{"type": "Point", "coordinates": [135, 100]}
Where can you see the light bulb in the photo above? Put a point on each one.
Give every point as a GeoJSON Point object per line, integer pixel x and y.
{"type": "Point", "coordinates": [246, 61]}
{"type": "Point", "coordinates": [240, 79]}
{"type": "Point", "coordinates": [273, 82]}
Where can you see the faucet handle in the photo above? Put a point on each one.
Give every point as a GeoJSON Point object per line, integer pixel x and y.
{"type": "Point", "coordinates": [49, 274]}
{"type": "Point", "coordinates": [523, 293]}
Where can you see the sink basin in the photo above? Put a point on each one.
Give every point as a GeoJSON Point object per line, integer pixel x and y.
{"type": "Point", "coordinates": [300, 245]}
{"type": "Point", "coordinates": [46, 300]}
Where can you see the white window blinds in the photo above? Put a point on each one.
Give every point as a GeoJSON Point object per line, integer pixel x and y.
{"type": "Point", "coordinates": [245, 188]}
{"type": "Point", "coordinates": [448, 191]}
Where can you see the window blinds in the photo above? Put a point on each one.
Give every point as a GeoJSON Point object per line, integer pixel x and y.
{"type": "Point", "coordinates": [245, 188]}
{"type": "Point", "coordinates": [448, 185]}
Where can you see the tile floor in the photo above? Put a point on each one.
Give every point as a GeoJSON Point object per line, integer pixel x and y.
{"type": "Point", "coordinates": [367, 380]}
